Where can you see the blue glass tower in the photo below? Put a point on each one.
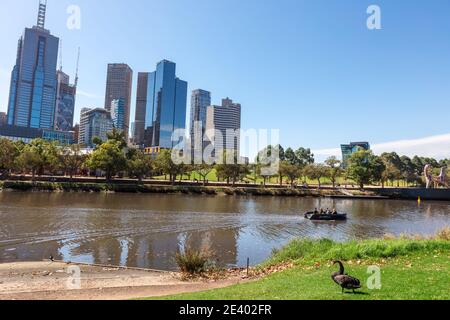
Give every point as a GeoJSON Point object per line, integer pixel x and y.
{"type": "Point", "coordinates": [165, 109]}
{"type": "Point", "coordinates": [118, 114]}
{"type": "Point", "coordinates": [33, 81]}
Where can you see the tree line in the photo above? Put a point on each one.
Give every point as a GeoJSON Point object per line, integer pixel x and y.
{"type": "Point", "coordinates": [113, 158]}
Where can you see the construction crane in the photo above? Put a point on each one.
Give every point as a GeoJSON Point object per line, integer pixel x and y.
{"type": "Point", "coordinates": [78, 64]}
{"type": "Point", "coordinates": [60, 56]}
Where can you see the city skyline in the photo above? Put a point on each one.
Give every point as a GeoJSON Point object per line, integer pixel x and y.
{"type": "Point", "coordinates": [393, 79]}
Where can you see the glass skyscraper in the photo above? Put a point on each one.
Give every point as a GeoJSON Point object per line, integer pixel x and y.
{"type": "Point", "coordinates": [141, 106]}
{"type": "Point", "coordinates": [165, 105]}
{"type": "Point", "coordinates": [65, 103]}
{"type": "Point", "coordinates": [200, 101]}
{"type": "Point", "coordinates": [118, 113]}
{"type": "Point", "coordinates": [118, 86]}
{"type": "Point", "coordinates": [32, 93]}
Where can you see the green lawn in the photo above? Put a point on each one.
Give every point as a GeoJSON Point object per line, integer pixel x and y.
{"type": "Point", "coordinates": [212, 177]}
{"type": "Point", "coordinates": [410, 270]}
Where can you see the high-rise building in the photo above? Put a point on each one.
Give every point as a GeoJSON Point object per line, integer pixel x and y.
{"type": "Point", "coordinates": [118, 86]}
{"type": "Point", "coordinates": [141, 107]}
{"type": "Point", "coordinates": [76, 133]}
{"type": "Point", "coordinates": [349, 149]}
{"type": "Point", "coordinates": [65, 102]}
{"type": "Point", "coordinates": [3, 119]}
{"type": "Point", "coordinates": [94, 123]}
{"type": "Point", "coordinates": [118, 113]}
{"type": "Point", "coordinates": [27, 134]}
{"type": "Point", "coordinates": [223, 125]}
{"type": "Point", "coordinates": [165, 106]}
{"type": "Point", "coordinates": [200, 101]}
{"type": "Point", "coordinates": [33, 80]}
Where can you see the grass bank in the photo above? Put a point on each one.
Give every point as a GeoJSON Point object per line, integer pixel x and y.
{"type": "Point", "coordinates": [411, 269]}
{"type": "Point", "coordinates": [154, 188]}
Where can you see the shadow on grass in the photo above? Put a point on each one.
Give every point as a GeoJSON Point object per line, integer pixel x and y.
{"type": "Point", "coordinates": [357, 293]}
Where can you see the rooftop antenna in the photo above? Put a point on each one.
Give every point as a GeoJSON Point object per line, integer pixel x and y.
{"type": "Point", "coordinates": [41, 14]}
{"type": "Point", "coordinates": [78, 64]}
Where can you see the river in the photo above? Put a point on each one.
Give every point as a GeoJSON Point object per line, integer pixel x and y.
{"type": "Point", "coordinates": [147, 230]}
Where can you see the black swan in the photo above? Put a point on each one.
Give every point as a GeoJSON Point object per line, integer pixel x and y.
{"type": "Point", "coordinates": [345, 281]}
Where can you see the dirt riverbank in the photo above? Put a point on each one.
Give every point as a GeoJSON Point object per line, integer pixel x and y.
{"type": "Point", "coordinates": [53, 281]}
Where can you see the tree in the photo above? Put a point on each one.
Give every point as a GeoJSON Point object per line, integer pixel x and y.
{"type": "Point", "coordinates": [203, 170]}
{"type": "Point", "coordinates": [408, 171]}
{"type": "Point", "coordinates": [72, 159]}
{"type": "Point", "coordinates": [231, 171]}
{"type": "Point", "coordinates": [364, 167]}
{"type": "Point", "coordinates": [38, 156]}
{"type": "Point", "coordinates": [279, 150]}
{"type": "Point", "coordinates": [108, 157]}
{"type": "Point", "coordinates": [316, 172]}
{"type": "Point", "coordinates": [291, 171]}
{"type": "Point", "coordinates": [334, 169]}
{"type": "Point", "coordinates": [304, 157]}
{"type": "Point", "coordinates": [268, 160]}
{"type": "Point", "coordinates": [119, 136]}
{"type": "Point", "coordinates": [378, 168]}
{"type": "Point", "coordinates": [9, 153]}
{"type": "Point", "coordinates": [393, 165]}
{"type": "Point", "coordinates": [290, 157]}
{"type": "Point", "coordinates": [140, 165]}
{"type": "Point", "coordinates": [166, 166]}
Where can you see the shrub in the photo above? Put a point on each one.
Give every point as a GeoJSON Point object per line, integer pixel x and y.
{"type": "Point", "coordinates": [443, 234]}
{"type": "Point", "coordinates": [193, 262]}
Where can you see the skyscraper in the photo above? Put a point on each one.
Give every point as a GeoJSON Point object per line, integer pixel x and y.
{"type": "Point", "coordinates": [65, 102]}
{"type": "Point", "coordinates": [33, 80]}
{"type": "Point", "coordinates": [94, 123]}
{"type": "Point", "coordinates": [118, 113]}
{"type": "Point", "coordinates": [223, 124]}
{"type": "Point", "coordinates": [141, 106]}
{"type": "Point", "coordinates": [165, 105]}
{"type": "Point", "coordinates": [200, 101]}
{"type": "Point", "coordinates": [118, 86]}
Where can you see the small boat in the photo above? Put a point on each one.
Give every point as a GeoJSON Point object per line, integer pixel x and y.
{"type": "Point", "coordinates": [326, 216]}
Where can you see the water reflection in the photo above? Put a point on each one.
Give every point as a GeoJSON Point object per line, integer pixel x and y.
{"type": "Point", "coordinates": [147, 230]}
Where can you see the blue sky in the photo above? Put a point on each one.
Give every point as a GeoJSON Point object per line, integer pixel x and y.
{"type": "Point", "coordinates": [309, 68]}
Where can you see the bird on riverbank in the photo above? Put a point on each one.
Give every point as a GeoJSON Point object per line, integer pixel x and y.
{"type": "Point", "coordinates": [52, 259]}
{"type": "Point", "coordinates": [345, 281]}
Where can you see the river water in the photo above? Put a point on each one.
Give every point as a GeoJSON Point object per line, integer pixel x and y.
{"type": "Point", "coordinates": [147, 230]}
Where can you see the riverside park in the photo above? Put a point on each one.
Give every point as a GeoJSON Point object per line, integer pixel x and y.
{"type": "Point", "coordinates": [160, 152]}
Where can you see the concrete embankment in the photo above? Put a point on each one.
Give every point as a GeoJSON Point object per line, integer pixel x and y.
{"type": "Point", "coordinates": [180, 188]}
{"type": "Point", "coordinates": [414, 193]}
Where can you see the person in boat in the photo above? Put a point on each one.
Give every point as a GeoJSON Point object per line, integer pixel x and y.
{"type": "Point", "coordinates": [334, 212]}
